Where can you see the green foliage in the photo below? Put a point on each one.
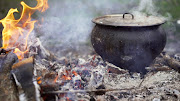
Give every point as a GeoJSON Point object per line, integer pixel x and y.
{"type": "Point", "coordinates": [169, 6]}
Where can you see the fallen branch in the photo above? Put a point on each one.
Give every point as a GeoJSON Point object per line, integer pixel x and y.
{"type": "Point", "coordinates": [86, 91]}
{"type": "Point", "coordinates": [173, 63]}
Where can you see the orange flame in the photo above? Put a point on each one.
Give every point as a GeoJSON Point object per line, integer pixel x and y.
{"type": "Point", "coordinates": [15, 33]}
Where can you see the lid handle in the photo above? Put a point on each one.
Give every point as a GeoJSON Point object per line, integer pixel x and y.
{"type": "Point", "coordinates": [129, 14]}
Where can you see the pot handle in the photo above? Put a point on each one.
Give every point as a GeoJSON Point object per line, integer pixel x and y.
{"type": "Point", "coordinates": [129, 14]}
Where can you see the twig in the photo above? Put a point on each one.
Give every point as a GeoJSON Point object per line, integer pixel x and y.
{"type": "Point", "coordinates": [85, 91]}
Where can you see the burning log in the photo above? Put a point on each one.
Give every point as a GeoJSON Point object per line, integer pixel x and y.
{"type": "Point", "coordinates": [23, 73]}
{"type": "Point", "coordinates": [7, 85]}
{"type": "Point", "coordinates": [39, 52]}
{"type": "Point", "coordinates": [49, 84]}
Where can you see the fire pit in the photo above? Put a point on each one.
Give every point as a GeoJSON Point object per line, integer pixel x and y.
{"type": "Point", "coordinates": [29, 72]}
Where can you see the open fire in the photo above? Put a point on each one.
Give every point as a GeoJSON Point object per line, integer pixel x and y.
{"type": "Point", "coordinates": [16, 31]}
{"type": "Point", "coordinates": [42, 76]}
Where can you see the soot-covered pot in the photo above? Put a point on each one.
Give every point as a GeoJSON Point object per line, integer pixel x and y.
{"type": "Point", "coordinates": [127, 41]}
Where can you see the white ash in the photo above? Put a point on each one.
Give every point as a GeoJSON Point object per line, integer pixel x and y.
{"type": "Point", "coordinates": [81, 61]}
{"type": "Point", "coordinates": [98, 74]}
{"type": "Point", "coordinates": [156, 99]}
{"type": "Point", "coordinates": [93, 72]}
{"type": "Point", "coordinates": [177, 56]}
{"type": "Point", "coordinates": [22, 96]}
{"type": "Point", "coordinates": [37, 87]}
{"type": "Point", "coordinates": [75, 78]}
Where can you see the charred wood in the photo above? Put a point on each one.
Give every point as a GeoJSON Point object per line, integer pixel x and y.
{"type": "Point", "coordinates": [7, 85]}
{"type": "Point", "coordinates": [173, 63]}
{"type": "Point", "coordinates": [23, 73]}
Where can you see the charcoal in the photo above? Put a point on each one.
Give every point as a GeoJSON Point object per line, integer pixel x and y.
{"type": "Point", "coordinates": [112, 98]}
{"type": "Point", "coordinates": [101, 92]}
{"type": "Point", "coordinates": [7, 62]}
{"type": "Point", "coordinates": [7, 85]}
{"type": "Point", "coordinates": [23, 73]}
{"type": "Point", "coordinates": [114, 69]}
{"type": "Point", "coordinates": [38, 50]}
{"type": "Point", "coordinates": [92, 98]}
{"type": "Point", "coordinates": [48, 83]}
{"type": "Point", "coordinates": [2, 51]}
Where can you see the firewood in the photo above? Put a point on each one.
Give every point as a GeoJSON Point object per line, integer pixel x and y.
{"type": "Point", "coordinates": [40, 52]}
{"type": "Point", "coordinates": [173, 63]}
{"type": "Point", "coordinates": [7, 85]}
{"type": "Point", "coordinates": [23, 73]}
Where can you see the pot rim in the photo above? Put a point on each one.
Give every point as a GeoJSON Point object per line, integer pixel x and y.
{"type": "Point", "coordinates": [95, 20]}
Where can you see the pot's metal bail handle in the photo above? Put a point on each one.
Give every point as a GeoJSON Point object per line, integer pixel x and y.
{"type": "Point", "coordinates": [129, 14]}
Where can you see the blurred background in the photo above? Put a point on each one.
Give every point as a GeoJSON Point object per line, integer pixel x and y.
{"type": "Point", "coordinates": [67, 23]}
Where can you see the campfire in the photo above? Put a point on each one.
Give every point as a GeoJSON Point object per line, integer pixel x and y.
{"type": "Point", "coordinates": [16, 32]}
{"type": "Point", "coordinates": [29, 72]}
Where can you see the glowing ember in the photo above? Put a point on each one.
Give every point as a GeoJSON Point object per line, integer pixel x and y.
{"type": "Point", "coordinates": [67, 99]}
{"type": "Point", "coordinates": [15, 33]}
{"type": "Point", "coordinates": [56, 78]}
{"type": "Point", "coordinates": [75, 73]}
{"type": "Point", "coordinates": [64, 77]}
{"type": "Point", "coordinates": [39, 80]}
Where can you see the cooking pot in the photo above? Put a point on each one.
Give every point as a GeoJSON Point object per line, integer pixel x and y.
{"type": "Point", "coordinates": [127, 41]}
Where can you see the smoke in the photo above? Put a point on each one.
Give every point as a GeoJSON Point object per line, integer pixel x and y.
{"type": "Point", "coordinates": [148, 7]}
{"type": "Point", "coordinates": [67, 23]}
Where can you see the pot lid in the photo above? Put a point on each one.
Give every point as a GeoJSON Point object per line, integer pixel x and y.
{"type": "Point", "coordinates": [128, 19]}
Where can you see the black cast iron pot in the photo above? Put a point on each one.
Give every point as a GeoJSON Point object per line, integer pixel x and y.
{"type": "Point", "coordinates": [127, 41]}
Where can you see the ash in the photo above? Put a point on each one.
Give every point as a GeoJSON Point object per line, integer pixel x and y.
{"type": "Point", "coordinates": [83, 78]}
